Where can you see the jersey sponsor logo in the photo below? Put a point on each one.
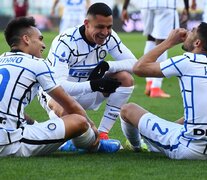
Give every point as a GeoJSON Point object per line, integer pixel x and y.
{"type": "Point", "coordinates": [11, 60]}
{"type": "Point", "coordinates": [199, 132]}
{"type": "Point", "coordinates": [81, 73]}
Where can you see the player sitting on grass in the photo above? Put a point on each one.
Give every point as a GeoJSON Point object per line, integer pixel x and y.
{"type": "Point", "coordinates": [22, 71]}
{"type": "Point", "coordinates": [175, 140]}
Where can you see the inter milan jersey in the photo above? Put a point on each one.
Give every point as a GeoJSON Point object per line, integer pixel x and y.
{"type": "Point", "coordinates": [191, 69]}
{"type": "Point", "coordinates": [20, 76]}
{"type": "Point", "coordinates": [74, 57]}
{"type": "Point", "coordinates": [157, 4]}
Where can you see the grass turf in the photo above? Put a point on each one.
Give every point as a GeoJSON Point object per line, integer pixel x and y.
{"type": "Point", "coordinates": [122, 165]}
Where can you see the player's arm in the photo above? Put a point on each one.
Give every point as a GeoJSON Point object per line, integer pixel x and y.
{"type": "Point", "coordinates": [124, 13]}
{"type": "Point", "coordinates": [70, 105]}
{"type": "Point", "coordinates": [123, 58]}
{"type": "Point", "coordinates": [66, 101]}
{"type": "Point", "coordinates": [53, 7]}
{"type": "Point", "coordinates": [147, 65]}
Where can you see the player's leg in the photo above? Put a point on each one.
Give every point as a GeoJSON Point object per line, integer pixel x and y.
{"type": "Point", "coordinates": [47, 137]}
{"type": "Point", "coordinates": [147, 16]}
{"type": "Point", "coordinates": [115, 102]}
{"type": "Point", "coordinates": [165, 137]}
{"type": "Point", "coordinates": [157, 133]}
{"type": "Point", "coordinates": [149, 45]}
{"type": "Point", "coordinates": [130, 115]}
{"type": "Point", "coordinates": [88, 140]}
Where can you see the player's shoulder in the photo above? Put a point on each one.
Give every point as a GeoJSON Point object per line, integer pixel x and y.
{"type": "Point", "coordinates": [114, 36]}
{"type": "Point", "coordinates": [196, 57]}
{"type": "Point", "coordinates": [69, 34]}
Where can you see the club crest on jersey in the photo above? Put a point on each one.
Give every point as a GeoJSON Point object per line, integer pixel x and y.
{"type": "Point", "coordinates": [102, 54]}
{"type": "Point", "coordinates": [51, 126]}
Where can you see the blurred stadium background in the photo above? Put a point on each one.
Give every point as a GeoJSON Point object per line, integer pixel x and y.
{"type": "Point", "coordinates": [41, 9]}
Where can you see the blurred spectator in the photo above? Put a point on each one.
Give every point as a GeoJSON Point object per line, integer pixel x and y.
{"type": "Point", "coordinates": [20, 7]}
{"type": "Point", "coordinates": [73, 12]}
{"type": "Point", "coordinates": [42, 22]}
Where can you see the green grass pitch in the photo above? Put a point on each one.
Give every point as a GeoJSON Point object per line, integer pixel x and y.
{"type": "Point", "coordinates": [122, 165]}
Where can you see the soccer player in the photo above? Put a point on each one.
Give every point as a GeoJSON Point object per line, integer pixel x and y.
{"type": "Point", "coordinates": [78, 56]}
{"type": "Point", "coordinates": [73, 12]}
{"type": "Point", "coordinates": [176, 141]}
{"type": "Point", "coordinates": [22, 71]}
{"type": "Point", "coordinates": [159, 18]}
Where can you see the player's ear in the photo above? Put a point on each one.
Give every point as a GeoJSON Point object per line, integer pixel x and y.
{"type": "Point", "coordinates": [197, 43]}
{"type": "Point", "coordinates": [25, 39]}
{"type": "Point", "coordinates": [86, 22]}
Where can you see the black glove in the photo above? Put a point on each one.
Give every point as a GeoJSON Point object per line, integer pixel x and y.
{"type": "Point", "coordinates": [99, 71]}
{"type": "Point", "coordinates": [105, 85]}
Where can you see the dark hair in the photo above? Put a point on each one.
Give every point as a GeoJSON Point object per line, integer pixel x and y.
{"type": "Point", "coordinates": [202, 33]}
{"type": "Point", "coordinates": [16, 28]}
{"type": "Point", "coordinates": [99, 9]}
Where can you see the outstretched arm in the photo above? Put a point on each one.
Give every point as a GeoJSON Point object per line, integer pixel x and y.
{"type": "Point", "coordinates": [68, 103]}
{"type": "Point", "coordinates": [147, 65]}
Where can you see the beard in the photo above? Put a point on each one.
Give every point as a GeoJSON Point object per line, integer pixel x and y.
{"type": "Point", "coordinates": [188, 48]}
{"type": "Point", "coordinates": [184, 48]}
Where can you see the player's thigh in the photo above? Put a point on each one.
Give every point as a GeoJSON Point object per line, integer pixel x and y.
{"type": "Point", "coordinates": [165, 21]}
{"type": "Point", "coordinates": [42, 138]}
{"type": "Point", "coordinates": [91, 101]}
{"type": "Point", "coordinates": [147, 19]}
{"type": "Point", "coordinates": [161, 135]}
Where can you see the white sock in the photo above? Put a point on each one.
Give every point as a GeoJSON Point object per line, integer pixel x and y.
{"type": "Point", "coordinates": [148, 79]}
{"type": "Point", "coordinates": [131, 133]}
{"type": "Point", "coordinates": [85, 140]}
{"type": "Point", "coordinates": [157, 82]}
{"type": "Point", "coordinates": [149, 45]}
{"type": "Point", "coordinates": [113, 106]}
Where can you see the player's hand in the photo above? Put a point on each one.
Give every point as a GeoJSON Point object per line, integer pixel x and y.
{"type": "Point", "coordinates": [99, 71]}
{"type": "Point", "coordinates": [177, 36]}
{"type": "Point", "coordinates": [105, 85]}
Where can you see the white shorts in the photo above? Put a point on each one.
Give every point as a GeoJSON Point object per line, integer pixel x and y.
{"type": "Point", "coordinates": [37, 139]}
{"type": "Point", "coordinates": [70, 21]}
{"type": "Point", "coordinates": [159, 22]}
{"type": "Point", "coordinates": [162, 136]}
{"type": "Point", "coordinates": [90, 101]}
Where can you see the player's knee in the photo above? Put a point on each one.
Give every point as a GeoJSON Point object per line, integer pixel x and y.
{"type": "Point", "coordinates": [125, 78]}
{"type": "Point", "coordinates": [81, 123]}
{"type": "Point", "coordinates": [125, 111]}
{"type": "Point", "coordinates": [75, 125]}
